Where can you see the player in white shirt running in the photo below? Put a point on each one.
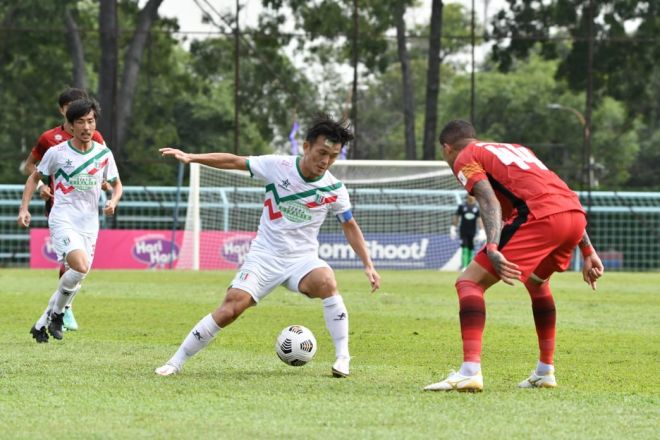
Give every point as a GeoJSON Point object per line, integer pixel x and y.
{"type": "Point", "coordinates": [300, 191]}
{"type": "Point", "coordinates": [78, 167]}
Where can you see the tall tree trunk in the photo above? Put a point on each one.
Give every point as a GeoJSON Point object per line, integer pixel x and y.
{"type": "Point", "coordinates": [147, 16]}
{"type": "Point", "coordinates": [107, 89]}
{"type": "Point", "coordinates": [408, 99]}
{"type": "Point", "coordinates": [433, 81]}
{"type": "Point", "coordinates": [75, 50]}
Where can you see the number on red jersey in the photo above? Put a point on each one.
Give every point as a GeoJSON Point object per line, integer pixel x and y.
{"type": "Point", "coordinates": [509, 154]}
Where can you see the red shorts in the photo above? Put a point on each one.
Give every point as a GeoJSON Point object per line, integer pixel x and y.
{"type": "Point", "coordinates": [539, 246]}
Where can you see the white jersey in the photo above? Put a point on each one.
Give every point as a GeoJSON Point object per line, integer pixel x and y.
{"type": "Point", "coordinates": [77, 178]}
{"type": "Point", "coordinates": [294, 207]}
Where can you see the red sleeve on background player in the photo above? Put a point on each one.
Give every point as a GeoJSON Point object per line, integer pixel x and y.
{"type": "Point", "coordinates": [41, 147]}
{"type": "Point", "coordinates": [468, 170]}
{"type": "Point", "coordinates": [96, 137]}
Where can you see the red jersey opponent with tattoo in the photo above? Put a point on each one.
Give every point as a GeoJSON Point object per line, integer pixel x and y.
{"type": "Point", "coordinates": [533, 222]}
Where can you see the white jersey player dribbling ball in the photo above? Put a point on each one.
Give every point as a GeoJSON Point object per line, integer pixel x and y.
{"type": "Point", "coordinates": [286, 246]}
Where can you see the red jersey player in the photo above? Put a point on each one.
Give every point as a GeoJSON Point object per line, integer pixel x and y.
{"type": "Point", "coordinates": [533, 223]}
{"type": "Point", "coordinates": [50, 138]}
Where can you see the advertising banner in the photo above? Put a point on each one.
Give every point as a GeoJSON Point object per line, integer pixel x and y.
{"type": "Point", "coordinates": [153, 249]}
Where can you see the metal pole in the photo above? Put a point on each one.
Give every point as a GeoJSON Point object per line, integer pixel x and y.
{"type": "Point", "coordinates": [237, 81]}
{"type": "Point", "coordinates": [472, 84]}
{"type": "Point", "coordinates": [175, 214]}
{"type": "Point", "coordinates": [589, 103]}
{"type": "Point", "coordinates": [354, 110]}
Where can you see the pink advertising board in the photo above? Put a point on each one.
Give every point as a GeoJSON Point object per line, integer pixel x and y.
{"type": "Point", "coordinates": [148, 249]}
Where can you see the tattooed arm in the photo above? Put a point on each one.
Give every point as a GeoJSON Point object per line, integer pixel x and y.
{"type": "Point", "coordinates": [592, 267]}
{"type": "Point", "coordinates": [491, 215]}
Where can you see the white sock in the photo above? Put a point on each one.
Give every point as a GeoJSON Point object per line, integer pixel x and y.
{"type": "Point", "coordinates": [542, 368]}
{"type": "Point", "coordinates": [198, 338]}
{"type": "Point", "coordinates": [74, 292]}
{"type": "Point", "coordinates": [470, 368]}
{"type": "Point", "coordinates": [69, 283]}
{"type": "Point", "coordinates": [336, 321]}
{"type": "Point", "coordinates": [44, 318]}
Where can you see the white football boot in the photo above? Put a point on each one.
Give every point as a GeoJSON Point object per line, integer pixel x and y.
{"type": "Point", "coordinates": [536, 381]}
{"type": "Point", "coordinates": [457, 382]}
{"type": "Point", "coordinates": [341, 367]}
{"type": "Point", "coordinates": [167, 370]}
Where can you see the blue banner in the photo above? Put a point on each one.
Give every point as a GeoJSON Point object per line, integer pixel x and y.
{"type": "Point", "coordinates": [390, 251]}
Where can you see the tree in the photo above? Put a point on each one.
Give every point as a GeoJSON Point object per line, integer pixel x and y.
{"type": "Point", "coordinates": [626, 51]}
{"type": "Point", "coordinates": [408, 94]}
{"type": "Point", "coordinates": [432, 81]}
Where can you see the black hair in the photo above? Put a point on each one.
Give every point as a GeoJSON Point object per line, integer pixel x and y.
{"type": "Point", "coordinates": [334, 131]}
{"type": "Point", "coordinates": [457, 130]}
{"type": "Point", "coordinates": [71, 94]}
{"type": "Point", "coordinates": [79, 108]}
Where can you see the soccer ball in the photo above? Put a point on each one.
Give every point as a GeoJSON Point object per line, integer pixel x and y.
{"type": "Point", "coordinates": [296, 345]}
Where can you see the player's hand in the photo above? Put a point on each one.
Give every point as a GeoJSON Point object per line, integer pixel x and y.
{"type": "Point", "coordinates": [175, 153]}
{"type": "Point", "coordinates": [592, 269]}
{"type": "Point", "coordinates": [105, 186]}
{"type": "Point", "coordinates": [24, 218]}
{"type": "Point", "coordinates": [506, 270]}
{"type": "Point", "coordinates": [44, 193]}
{"type": "Point", "coordinates": [452, 232]}
{"type": "Point", "coordinates": [109, 208]}
{"type": "Point", "coordinates": [373, 277]}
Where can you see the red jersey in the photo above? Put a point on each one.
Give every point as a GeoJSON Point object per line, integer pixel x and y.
{"type": "Point", "coordinates": [520, 180]}
{"type": "Point", "coordinates": [54, 136]}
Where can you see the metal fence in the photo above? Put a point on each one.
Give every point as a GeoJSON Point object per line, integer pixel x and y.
{"type": "Point", "coordinates": [624, 226]}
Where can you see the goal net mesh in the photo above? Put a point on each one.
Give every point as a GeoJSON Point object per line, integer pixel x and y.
{"type": "Point", "coordinates": [404, 209]}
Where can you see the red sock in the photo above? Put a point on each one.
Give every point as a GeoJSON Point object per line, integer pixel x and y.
{"type": "Point", "coordinates": [545, 318]}
{"type": "Point", "coordinates": [473, 318]}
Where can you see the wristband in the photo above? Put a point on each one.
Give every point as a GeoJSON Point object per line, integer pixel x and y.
{"type": "Point", "coordinates": [586, 251]}
{"type": "Point", "coordinates": [491, 247]}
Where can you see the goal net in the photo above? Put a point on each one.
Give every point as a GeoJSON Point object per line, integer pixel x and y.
{"type": "Point", "coordinates": [404, 209]}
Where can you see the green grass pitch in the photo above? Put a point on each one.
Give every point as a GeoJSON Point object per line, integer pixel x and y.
{"type": "Point", "coordinates": [99, 382]}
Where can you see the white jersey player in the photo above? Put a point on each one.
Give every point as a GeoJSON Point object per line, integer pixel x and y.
{"type": "Point", "coordinates": [299, 194]}
{"type": "Point", "coordinates": [78, 167]}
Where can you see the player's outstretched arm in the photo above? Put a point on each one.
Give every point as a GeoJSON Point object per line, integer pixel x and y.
{"type": "Point", "coordinates": [491, 215]}
{"type": "Point", "coordinates": [225, 161]}
{"type": "Point", "coordinates": [355, 238]}
{"type": "Point", "coordinates": [592, 267]}
{"type": "Point", "coordinates": [24, 216]}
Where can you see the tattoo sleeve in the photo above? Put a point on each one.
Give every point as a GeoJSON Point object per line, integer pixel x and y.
{"type": "Point", "coordinates": [490, 210]}
{"type": "Point", "coordinates": [584, 242]}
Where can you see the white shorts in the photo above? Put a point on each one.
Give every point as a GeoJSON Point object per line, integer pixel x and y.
{"type": "Point", "coordinates": [261, 273]}
{"type": "Point", "coordinates": [67, 240]}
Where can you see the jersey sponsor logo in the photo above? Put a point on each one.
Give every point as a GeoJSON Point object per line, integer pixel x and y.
{"type": "Point", "coordinates": [84, 182]}
{"type": "Point", "coordinates": [295, 212]}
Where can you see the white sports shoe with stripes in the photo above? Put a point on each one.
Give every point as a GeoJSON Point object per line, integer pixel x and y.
{"type": "Point", "coordinates": [457, 382]}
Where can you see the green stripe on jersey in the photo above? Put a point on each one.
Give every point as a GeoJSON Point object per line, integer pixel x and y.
{"type": "Point", "coordinates": [302, 195]}
{"type": "Point", "coordinates": [66, 176]}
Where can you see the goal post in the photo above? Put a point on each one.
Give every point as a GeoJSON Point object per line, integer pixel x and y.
{"type": "Point", "coordinates": [404, 209]}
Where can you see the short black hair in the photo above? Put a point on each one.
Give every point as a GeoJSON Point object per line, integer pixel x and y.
{"type": "Point", "coordinates": [80, 107]}
{"type": "Point", "coordinates": [457, 130]}
{"type": "Point", "coordinates": [335, 131]}
{"type": "Point", "coordinates": [71, 94]}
